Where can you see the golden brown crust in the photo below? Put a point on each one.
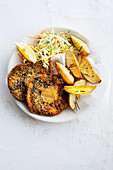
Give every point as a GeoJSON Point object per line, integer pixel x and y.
{"type": "Point", "coordinates": [64, 72]}
{"type": "Point", "coordinates": [9, 82]}
{"type": "Point", "coordinates": [80, 45]}
{"type": "Point", "coordinates": [72, 63]}
{"type": "Point", "coordinates": [45, 95]}
{"type": "Point", "coordinates": [87, 70]}
{"type": "Point", "coordinates": [19, 77]}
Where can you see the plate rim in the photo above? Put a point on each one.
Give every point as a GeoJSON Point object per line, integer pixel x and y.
{"type": "Point", "coordinates": [41, 117]}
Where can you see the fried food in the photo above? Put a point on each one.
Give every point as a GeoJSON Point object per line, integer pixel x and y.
{"type": "Point", "coordinates": [87, 70]}
{"type": "Point", "coordinates": [73, 98]}
{"type": "Point", "coordinates": [45, 95]}
{"type": "Point", "coordinates": [20, 76]}
{"type": "Point", "coordinates": [72, 63]}
{"type": "Point", "coordinates": [64, 72]}
{"type": "Point", "coordinates": [80, 45]}
{"type": "Point", "coordinates": [79, 89]}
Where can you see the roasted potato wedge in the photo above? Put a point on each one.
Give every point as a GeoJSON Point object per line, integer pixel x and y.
{"type": "Point", "coordinates": [80, 45]}
{"type": "Point", "coordinates": [73, 98]}
{"type": "Point", "coordinates": [72, 63]}
{"type": "Point", "coordinates": [65, 74]}
{"type": "Point", "coordinates": [81, 82]}
{"type": "Point", "coordinates": [87, 70]}
{"type": "Point", "coordinates": [79, 89]}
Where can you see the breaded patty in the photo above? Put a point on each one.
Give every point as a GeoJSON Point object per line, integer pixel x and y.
{"type": "Point", "coordinates": [45, 95]}
{"type": "Point", "coordinates": [20, 76]}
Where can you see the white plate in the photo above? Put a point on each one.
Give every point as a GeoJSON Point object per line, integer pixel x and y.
{"type": "Point", "coordinates": [67, 114]}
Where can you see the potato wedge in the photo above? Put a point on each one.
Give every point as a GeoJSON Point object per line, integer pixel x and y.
{"type": "Point", "coordinates": [79, 89]}
{"type": "Point", "coordinates": [72, 63]}
{"type": "Point", "coordinates": [73, 98]}
{"type": "Point", "coordinates": [65, 74]}
{"type": "Point", "coordinates": [81, 82]}
{"type": "Point", "coordinates": [87, 70]}
{"type": "Point", "coordinates": [80, 45]}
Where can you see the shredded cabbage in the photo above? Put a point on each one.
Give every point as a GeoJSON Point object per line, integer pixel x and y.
{"type": "Point", "coordinates": [49, 44]}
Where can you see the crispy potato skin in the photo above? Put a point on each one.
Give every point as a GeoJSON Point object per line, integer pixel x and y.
{"type": "Point", "coordinates": [81, 46]}
{"type": "Point", "coordinates": [87, 70]}
{"type": "Point", "coordinates": [79, 89]}
{"type": "Point", "coordinates": [64, 72]}
{"type": "Point", "coordinates": [72, 63]}
{"type": "Point", "coordinates": [73, 98]}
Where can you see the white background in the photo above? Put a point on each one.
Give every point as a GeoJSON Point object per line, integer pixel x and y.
{"type": "Point", "coordinates": [27, 144]}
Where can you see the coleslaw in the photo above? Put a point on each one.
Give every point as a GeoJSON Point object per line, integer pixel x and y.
{"type": "Point", "coordinates": [49, 43]}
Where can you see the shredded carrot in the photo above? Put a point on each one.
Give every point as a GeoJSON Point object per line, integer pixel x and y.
{"type": "Point", "coordinates": [55, 42]}
{"type": "Point", "coordinates": [61, 45]}
{"type": "Point", "coordinates": [48, 59]}
{"type": "Point", "coordinates": [64, 33]}
{"type": "Point", "coordinates": [44, 46]}
{"type": "Point", "coordinates": [35, 36]}
{"type": "Point", "coordinates": [51, 65]}
{"type": "Point", "coordinates": [43, 31]}
{"type": "Point", "coordinates": [20, 55]}
{"type": "Point", "coordinates": [67, 37]}
{"type": "Point", "coordinates": [32, 45]}
{"type": "Point", "coordinates": [62, 51]}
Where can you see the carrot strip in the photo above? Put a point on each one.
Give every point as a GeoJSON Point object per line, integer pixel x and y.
{"type": "Point", "coordinates": [32, 45]}
{"type": "Point", "coordinates": [62, 51]}
{"type": "Point", "coordinates": [59, 52]}
{"type": "Point", "coordinates": [64, 33]}
{"type": "Point", "coordinates": [43, 31]}
{"type": "Point", "coordinates": [55, 42]}
{"type": "Point", "coordinates": [35, 36]}
{"type": "Point", "coordinates": [44, 46]}
{"type": "Point", "coordinates": [61, 45]}
{"type": "Point", "coordinates": [20, 55]}
{"type": "Point", "coordinates": [51, 65]}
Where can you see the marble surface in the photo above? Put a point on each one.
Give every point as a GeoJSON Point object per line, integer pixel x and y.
{"type": "Point", "coordinates": [26, 143]}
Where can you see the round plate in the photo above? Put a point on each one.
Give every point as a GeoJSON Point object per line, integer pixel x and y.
{"type": "Point", "coordinates": [67, 114]}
